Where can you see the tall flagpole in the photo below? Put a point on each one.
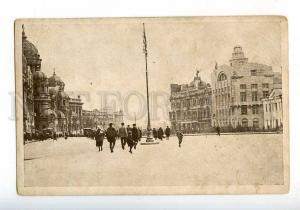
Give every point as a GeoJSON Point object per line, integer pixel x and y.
{"type": "Point", "coordinates": [149, 139]}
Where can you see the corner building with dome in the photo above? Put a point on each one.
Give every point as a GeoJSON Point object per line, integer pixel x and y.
{"type": "Point", "coordinates": [46, 105]}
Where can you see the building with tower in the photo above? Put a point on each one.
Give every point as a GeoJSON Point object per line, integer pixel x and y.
{"type": "Point", "coordinates": [45, 102]}
{"type": "Point", "coordinates": [191, 106]}
{"type": "Point", "coordinates": [238, 90]}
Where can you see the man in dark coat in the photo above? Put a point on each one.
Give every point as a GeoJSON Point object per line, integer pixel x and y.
{"type": "Point", "coordinates": [135, 135]}
{"type": "Point", "coordinates": [99, 136]}
{"type": "Point", "coordinates": [218, 130]}
{"type": "Point", "coordinates": [128, 128]}
{"type": "Point", "coordinates": [130, 141]}
{"type": "Point", "coordinates": [123, 135]}
{"type": "Point", "coordinates": [180, 137]}
{"type": "Point", "coordinates": [160, 133]}
{"type": "Point", "coordinates": [154, 132]}
{"type": "Point", "coordinates": [167, 132]}
{"type": "Point", "coordinates": [111, 135]}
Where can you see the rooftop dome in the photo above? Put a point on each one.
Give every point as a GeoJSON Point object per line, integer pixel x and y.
{"type": "Point", "coordinates": [29, 50]}
{"type": "Point", "coordinates": [38, 75]}
{"type": "Point", "coordinates": [55, 80]}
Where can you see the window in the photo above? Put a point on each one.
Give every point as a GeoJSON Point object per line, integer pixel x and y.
{"type": "Point", "coordinates": [265, 94]}
{"type": "Point", "coordinates": [255, 123]}
{"type": "Point", "coordinates": [270, 108]}
{"type": "Point", "coordinates": [253, 72]}
{"type": "Point", "coordinates": [244, 123]}
{"type": "Point", "coordinates": [253, 86]}
{"type": "Point", "coordinates": [254, 96]}
{"type": "Point", "coordinates": [276, 106]}
{"type": "Point", "coordinates": [243, 86]}
{"type": "Point", "coordinates": [266, 108]}
{"type": "Point", "coordinates": [255, 109]}
{"type": "Point", "coordinates": [222, 77]}
{"type": "Point", "coordinates": [243, 96]}
{"type": "Point", "coordinates": [244, 109]}
{"type": "Point", "coordinates": [265, 85]}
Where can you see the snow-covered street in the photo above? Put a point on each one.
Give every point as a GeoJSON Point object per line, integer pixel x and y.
{"type": "Point", "coordinates": [244, 159]}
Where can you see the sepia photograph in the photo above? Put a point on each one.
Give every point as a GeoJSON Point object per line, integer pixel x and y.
{"type": "Point", "coordinates": [152, 106]}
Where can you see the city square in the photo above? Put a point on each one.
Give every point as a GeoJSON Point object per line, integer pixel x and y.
{"type": "Point", "coordinates": [243, 159]}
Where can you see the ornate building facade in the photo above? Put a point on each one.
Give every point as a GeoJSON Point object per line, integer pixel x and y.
{"type": "Point", "coordinates": [102, 118]}
{"type": "Point", "coordinates": [45, 102]}
{"type": "Point", "coordinates": [238, 90]}
{"type": "Point", "coordinates": [191, 106]}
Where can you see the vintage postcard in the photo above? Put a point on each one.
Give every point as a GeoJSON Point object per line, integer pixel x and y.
{"type": "Point", "coordinates": [152, 106]}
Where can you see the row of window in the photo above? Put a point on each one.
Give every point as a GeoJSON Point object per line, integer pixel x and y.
{"type": "Point", "coordinates": [273, 107]}
{"type": "Point", "coordinates": [244, 111]}
{"type": "Point", "coordinates": [196, 115]}
{"type": "Point", "coordinates": [244, 123]}
{"type": "Point", "coordinates": [254, 86]}
{"type": "Point", "coordinates": [191, 102]}
{"type": "Point", "coordinates": [254, 94]}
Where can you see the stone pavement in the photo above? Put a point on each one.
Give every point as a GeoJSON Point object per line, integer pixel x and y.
{"type": "Point", "coordinates": [213, 160]}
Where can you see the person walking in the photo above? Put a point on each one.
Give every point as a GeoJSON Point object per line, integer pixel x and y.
{"type": "Point", "coordinates": [111, 135]}
{"type": "Point", "coordinates": [167, 132]}
{"type": "Point", "coordinates": [160, 134]}
{"type": "Point", "coordinates": [66, 135]}
{"type": "Point", "coordinates": [180, 137]}
{"type": "Point", "coordinates": [123, 135]}
{"type": "Point", "coordinates": [135, 135]}
{"type": "Point", "coordinates": [128, 128]}
{"type": "Point", "coordinates": [154, 132]}
{"type": "Point", "coordinates": [218, 130]}
{"type": "Point", "coordinates": [99, 138]}
{"type": "Point", "coordinates": [130, 141]}
{"type": "Point", "coordinates": [54, 136]}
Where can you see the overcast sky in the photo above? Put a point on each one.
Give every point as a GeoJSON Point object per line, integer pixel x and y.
{"type": "Point", "coordinates": [108, 56]}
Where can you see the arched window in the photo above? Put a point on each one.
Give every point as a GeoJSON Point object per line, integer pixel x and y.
{"type": "Point", "coordinates": [244, 123]}
{"type": "Point", "coordinates": [255, 123]}
{"type": "Point", "coordinates": [222, 76]}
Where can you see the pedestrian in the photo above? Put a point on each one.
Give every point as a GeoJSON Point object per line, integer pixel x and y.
{"type": "Point", "coordinates": [135, 135]}
{"type": "Point", "coordinates": [160, 133]}
{"type": "Point", "coordinates": [123, 135]}
{"type": "Point", "coordinates": [218, 130]}
{"type": "Point", "coordinates": [130, 141]}
{"type": "Point", "coordinates": [140, 134]}
{"type": "Point", "coordinates": [128, 128]}
{"type": "Point", "coordinates": [99, 138]}
{"type": "Point", "coordinates": [111, 135]}
{"type": "Point", "coordinates": [66, 135]}
{"type": "Point", "coordinates": [54, 136]}
{"type": "Point", "coordinates": [167, 132]}
{"type": "Point", "coordinates": [154, 132]}
{"type": "Point", "coordinates": [180, 137]}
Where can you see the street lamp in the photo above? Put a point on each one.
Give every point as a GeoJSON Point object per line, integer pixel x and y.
{"type": "Point", "coordinates": [149, 139]}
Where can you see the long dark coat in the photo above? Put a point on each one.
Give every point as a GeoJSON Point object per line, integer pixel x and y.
{"type": "Point", "coordinates": [99, 138]}
{"type": "Point", "coordinates": [154, 133]}
{"type": "Point", "coordinates": [160, 133]}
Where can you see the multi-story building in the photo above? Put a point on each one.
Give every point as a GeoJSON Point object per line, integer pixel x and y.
{"type": "Point", "coordinates": [45, 103]}
{"type": "Point", "coordinates": [273, 110]}
{"type": "Point", "coordinates": [238, 90]}
{"type": "Point", "coordinates": [101, 118]}
{"type": "Point", "coordinates": [191, 106]}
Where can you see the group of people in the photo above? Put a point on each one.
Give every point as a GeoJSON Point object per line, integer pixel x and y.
{"type": "Point", "coordinates": [127, 135]}
{"type": "Point", "coordinates": [159, 133]}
